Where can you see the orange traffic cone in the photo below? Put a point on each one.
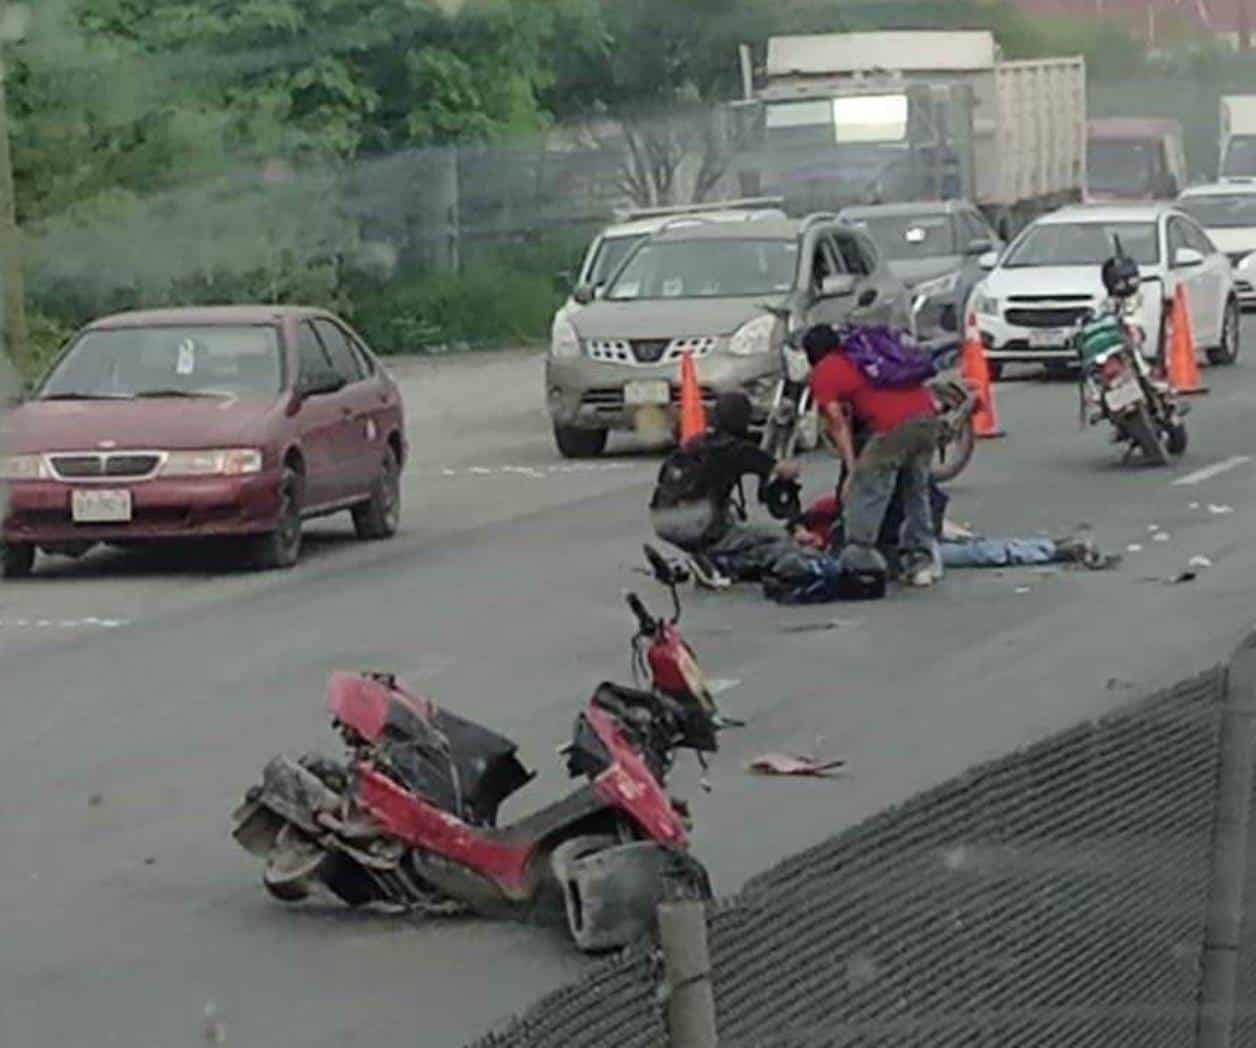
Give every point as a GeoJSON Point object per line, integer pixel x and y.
{"type": "Point", "coordinates": [1182, 367]}
{"type": "Point", "coordinates": [977, 376]}
{"type": "Point", "coordinates": [692, 414]}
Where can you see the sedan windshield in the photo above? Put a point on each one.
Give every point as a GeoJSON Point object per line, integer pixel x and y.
{"type": "Point", "coordinates": [168, 361]}
{"type": "Point", "coordinates": [1231, 211]}
{"type": "Point", "coordinates": [1083, 244]}
{"type": "Point", "coordinates": [708, 268]}
{"type": "Point", "coordinates": [904, 237]}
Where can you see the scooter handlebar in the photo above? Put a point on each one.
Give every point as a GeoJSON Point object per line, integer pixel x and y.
{"type": "Point", "coordinates": [644, 619]}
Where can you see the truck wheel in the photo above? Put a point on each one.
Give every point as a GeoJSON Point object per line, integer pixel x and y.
{"type": "Point", "coordinates": [579, 443]}
{"type": "Point", "coordinates": [17, 560]}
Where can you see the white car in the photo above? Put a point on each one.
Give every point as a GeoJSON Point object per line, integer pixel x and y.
{"type": "Point", "coordinates": [1227, 211]}
{"type": "Point", "coordinates": [1035, 293]}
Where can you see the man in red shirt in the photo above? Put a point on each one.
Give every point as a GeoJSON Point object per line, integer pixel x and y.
{"type": "Point", "coordinates": [902, 437]}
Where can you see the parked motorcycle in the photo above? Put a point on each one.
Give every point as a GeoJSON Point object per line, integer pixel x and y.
{"type": "Point", "coordinates": [410, 817]}
{"type": "Point", "coordinates": [1117, 384]}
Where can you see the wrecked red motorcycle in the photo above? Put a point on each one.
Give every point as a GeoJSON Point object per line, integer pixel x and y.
{"type": "Point", "coordinates": [410, 818]}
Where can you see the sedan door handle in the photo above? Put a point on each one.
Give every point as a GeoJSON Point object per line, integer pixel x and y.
{"type": "Point", "coordinates": [347, 412]}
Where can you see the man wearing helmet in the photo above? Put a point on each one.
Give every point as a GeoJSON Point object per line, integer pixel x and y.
{"type": "Point", "coordinates": [694, 507]}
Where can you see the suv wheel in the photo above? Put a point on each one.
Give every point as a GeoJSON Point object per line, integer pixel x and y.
{"type": "Point", "coordinates": [17, 560]}
{"type": "Point", "coordinates": [580, 443]}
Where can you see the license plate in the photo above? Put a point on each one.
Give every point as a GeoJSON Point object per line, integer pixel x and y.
{"type": "Point", "coordinates": [1048, 338]}
{"type": "Point", "coordinates": [1123, 395]}
{"type": "Point", "coordinates": [652, 392]}
{"type": "Point", "coordinates": [100, 507]}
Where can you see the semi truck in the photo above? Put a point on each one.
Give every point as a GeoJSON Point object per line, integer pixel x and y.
{"type": "Point", "coordinates": [840, 119]}
{"type": "Point", "coordinates": [1238, 138]}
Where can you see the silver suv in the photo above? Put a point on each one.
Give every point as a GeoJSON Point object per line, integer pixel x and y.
{"type": "Point", "coordinates": [702, 288]}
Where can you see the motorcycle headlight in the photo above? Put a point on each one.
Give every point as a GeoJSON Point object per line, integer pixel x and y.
{"type": "Point", "coordinates": [212, 462]}
{"type": "Point", "coordinates": [24, 467]}
{"type": "Point", "coordinates": [755, 336]}
{"type": "Point", "coordinates": [938, 287]}
{"type": "Point", "coordinates": [564, 340]}
{"type": "Point", "coordinates": [985, 305]}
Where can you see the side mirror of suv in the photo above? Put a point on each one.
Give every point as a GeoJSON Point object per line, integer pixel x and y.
{"type": "Point", "coordinates": [584, 294]}
{"type": "Point", "coordinates": [837, 286]}
{"type": "Point", "coordinates": [989, 260]}
{"type": "Point", "coordinates": [979, 246]}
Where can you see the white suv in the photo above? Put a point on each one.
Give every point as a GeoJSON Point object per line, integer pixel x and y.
{"type": "Point", "coordinates": [1036, 291]}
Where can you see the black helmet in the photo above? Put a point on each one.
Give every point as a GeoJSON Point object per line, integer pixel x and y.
{"type": "Point", "coordinates": [732, 414]}
{"type": "Point", "coordinates": [818, 340]}
{"type": "Point", "coordinates": [1121, 276]}
{"type": "Point", "coordinates": [782, 496]}
{"type": "Point", "coordinates": [862, 574]}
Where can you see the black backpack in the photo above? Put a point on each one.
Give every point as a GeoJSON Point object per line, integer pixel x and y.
{"type": "Point", "coordinates": [684, 477]}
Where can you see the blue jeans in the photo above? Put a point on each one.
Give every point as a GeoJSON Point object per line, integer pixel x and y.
{"type": "Point", "coordinates": [900, 458]}
{"type": "Point", "coordinates": [997, 553]}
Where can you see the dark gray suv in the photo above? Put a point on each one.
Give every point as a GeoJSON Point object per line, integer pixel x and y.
{"type": "Point", "coordinates": [702, 287]}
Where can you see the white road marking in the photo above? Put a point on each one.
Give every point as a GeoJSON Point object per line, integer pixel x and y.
{"type": "Point", "coordinates": [540, 473]}
{"type": "Point", "coordinates": [1215, 470]}
{"type": "Point", "coordinates": [65, 624]}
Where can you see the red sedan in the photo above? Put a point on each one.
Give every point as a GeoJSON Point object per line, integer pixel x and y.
{"type": "Point", "coordinates": [199, 423]}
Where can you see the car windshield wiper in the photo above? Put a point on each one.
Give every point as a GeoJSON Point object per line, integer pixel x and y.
{"type": "Point", "coordinates": [86, 396]}
{"type": "Point", "coordinates": [178, 393]}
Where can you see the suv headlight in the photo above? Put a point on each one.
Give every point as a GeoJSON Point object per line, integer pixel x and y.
{"type": "Point", "coordinates": [564, 341]}
{"type": "Point", "coordinates": [213, 462]}
{"type": "Point", "coordinates": [938, 287]}
{"type": "Point", "coordinates": [754, 336]}
{"type": "Point", "coordinates": [985, 305]}
{"type": "Point", "coordinates": [24, 467]}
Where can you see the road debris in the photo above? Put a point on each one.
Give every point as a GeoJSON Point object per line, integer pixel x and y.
{"type": "Point", "coordinates": [1133, 547]}
{"type": "Point", "coordinates": [795, 764]}
{"type": "Point", "coordinates": [1219, 510]}
{"type": "Point", "coordinates": [819, 627]}
{"type": "Point", "coordinates": [95, 800]}
{"type": "Point", "coordinates": [1161, 536]}
{"type": "Point", "coordinates": [214, 1031]}
{"type": "Point", "coordinates": [1199, 561]}
{"type": "Point", "coordinates": [1024, 589]}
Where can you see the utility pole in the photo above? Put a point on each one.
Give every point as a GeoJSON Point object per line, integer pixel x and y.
{"type": "Point", "coordinates": [1244, 27]}
{"type": "Point", "coordinates": [14, 295]}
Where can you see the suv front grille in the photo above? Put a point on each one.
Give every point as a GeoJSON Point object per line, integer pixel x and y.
{"type": "Point", "coordinates": [1044, 317]}
{"type": "Point", "coordinates": [610, 400]}
{"type": "Point", "coordinates": [647, 352]}
{"type": "Point", "coordinates": [132, 465]}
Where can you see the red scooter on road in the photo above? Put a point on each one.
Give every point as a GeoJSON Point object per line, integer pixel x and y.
{"type": "Point", "coordinates": [410, 819]}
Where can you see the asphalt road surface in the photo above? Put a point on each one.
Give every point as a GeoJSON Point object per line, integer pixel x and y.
{"type": "Point", "coordinates": [141, 694]}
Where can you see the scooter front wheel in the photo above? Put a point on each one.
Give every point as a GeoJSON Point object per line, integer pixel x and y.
{"type": "Point", "coordinates": [1143, 432]}
{"type": "Point", "coordinates": [292, 865]}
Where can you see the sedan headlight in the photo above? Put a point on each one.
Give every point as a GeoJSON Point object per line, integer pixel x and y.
{"type": "Point", "coordinates": [213, 462]}
{"type": "Point", "coordinates": [564, 340]}
{"type": "Point", "coordinates": [753, 337]}
{"type": "Point", "coordinates": [24, 467]}
{"type": "Point", "coordinates": [985, 305]}
{"type": "Point", "coordinates": [938, 287]}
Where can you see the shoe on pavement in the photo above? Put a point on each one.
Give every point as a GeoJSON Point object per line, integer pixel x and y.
{"type": "Point", "coordinates": [922, 577]}
{"type": "Point", "coordinates": [706, 574]}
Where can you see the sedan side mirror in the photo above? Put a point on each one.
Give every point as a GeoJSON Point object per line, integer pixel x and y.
{"type": "Point", "coordinates": [979, 246]}
{"type": "Point", "coordinates": [1187, 258]}
{"type": "Point", "coordinates": [320, 383]}
{"type": "Point", "coordinates": [584, 294]}
{"type": "Point", "coordinates": [837, 286]}
{"type": "Point", "coordinates": [989, 260]}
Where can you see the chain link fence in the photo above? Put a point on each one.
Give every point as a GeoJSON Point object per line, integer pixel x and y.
{"type": "Point", "coordinates": [1055, 896]}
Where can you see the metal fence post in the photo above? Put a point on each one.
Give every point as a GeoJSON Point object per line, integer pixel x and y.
{"type": "Point", "coordinates": [687, 970]}
{"type": "Point", "coordinates": [1224, 927]}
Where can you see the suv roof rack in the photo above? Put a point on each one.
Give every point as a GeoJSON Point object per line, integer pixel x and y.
{"type": "Point", "coordinates": [744, 204]}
